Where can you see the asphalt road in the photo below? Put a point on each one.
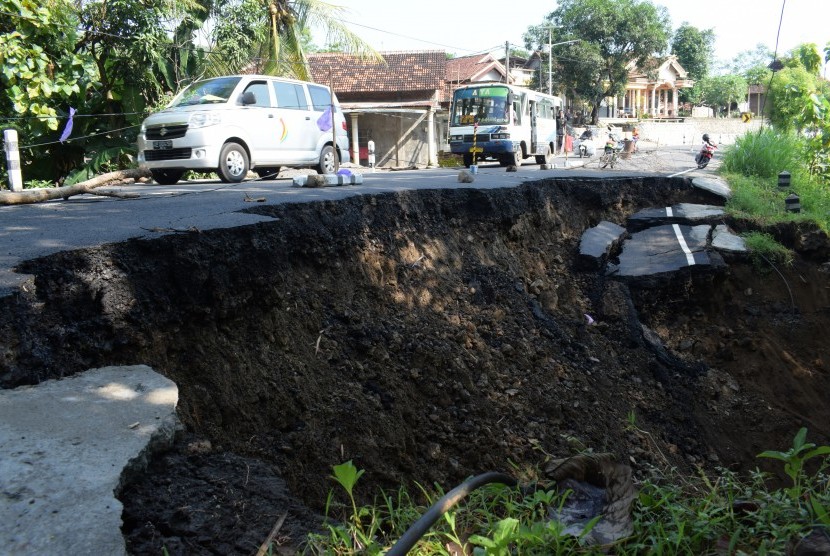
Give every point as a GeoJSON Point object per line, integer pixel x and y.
{"type": "Point", "coordinates": [31, 231]}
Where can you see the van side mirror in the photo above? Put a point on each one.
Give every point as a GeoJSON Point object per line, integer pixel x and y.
{"type": "Point", "coordinates": [248, 98]}
{"type": "Point", "coordinates": [510, 98]}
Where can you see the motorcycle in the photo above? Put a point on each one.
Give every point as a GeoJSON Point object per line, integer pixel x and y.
{"type": "Point", "coordinates": [585, 146]}
{"type": "Point", "coordinates": [705, 155]}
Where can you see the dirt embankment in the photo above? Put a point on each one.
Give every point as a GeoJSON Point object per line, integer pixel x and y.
{"type": "Point", "coordinates": [427, 336]}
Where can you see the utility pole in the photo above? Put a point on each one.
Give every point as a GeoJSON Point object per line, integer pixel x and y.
{"type": "Point", "coordinates": [507, 62]}
{"type": "Point", "coordinates": [550, 64]}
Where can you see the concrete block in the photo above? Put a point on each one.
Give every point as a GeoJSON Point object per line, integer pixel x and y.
{"type": "Point", "coordinates": [357, 179]}
{"type": "Point", "coordinates": [300, 181]}
{"type": "Point", "coordinates": [67, 444]}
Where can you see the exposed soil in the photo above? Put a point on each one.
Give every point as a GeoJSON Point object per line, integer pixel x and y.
{"type": "Point", "coordinates": [426, 336]}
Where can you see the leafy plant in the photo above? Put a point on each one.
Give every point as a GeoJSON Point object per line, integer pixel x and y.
{"type": "Point", "coordinates": [795, 458]}
{"type": "Point", "coordinates": [499, 542]}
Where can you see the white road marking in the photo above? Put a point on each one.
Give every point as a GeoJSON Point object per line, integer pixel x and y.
{"type": "Point", "coordinates": [683, 172]}
{"type": "Point", "coordinates": [690, 258]}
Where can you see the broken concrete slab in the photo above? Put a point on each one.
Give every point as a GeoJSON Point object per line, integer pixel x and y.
{"type": "Point", "coordinates": [725, 241]}
{"type": "Point", "coordinates": [714, 185]}
{"type": "Point", "coordinates": [67, 445]}
{"type": "Point", "coordinates": [662, 250]}
{"type": "Point", "coordinates": [683, 213]}
{"type": "Point", "coordinates": [597, 242]}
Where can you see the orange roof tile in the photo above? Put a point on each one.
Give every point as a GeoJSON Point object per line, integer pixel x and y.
{"type": "Point", "coordinates": [403, 71]}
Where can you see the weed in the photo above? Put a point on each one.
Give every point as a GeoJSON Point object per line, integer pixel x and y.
{"type": "Point", "coordinates": [673, 514]}
{"type": "Point", "coordinates": [794, 460]}
{"type": "Point", "coordinates": [764, 250]}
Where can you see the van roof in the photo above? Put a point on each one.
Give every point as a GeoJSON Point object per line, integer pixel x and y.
{"type": "Point", "coordinates": [262, 76]}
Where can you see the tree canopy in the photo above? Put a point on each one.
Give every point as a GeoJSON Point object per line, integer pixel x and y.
{"type": "Point", "coordinates": [110, 62]}
{"type": "Point", "coordinates": [611, 35]}
{"type": "Point", "coordinates": [694, 49]}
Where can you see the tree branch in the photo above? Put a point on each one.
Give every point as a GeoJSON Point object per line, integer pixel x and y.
{"type": "Point", "coordinates": [31, 196]}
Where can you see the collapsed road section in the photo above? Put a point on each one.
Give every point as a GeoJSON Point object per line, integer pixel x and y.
{"type": "Point", "coordinates": [427, 336]}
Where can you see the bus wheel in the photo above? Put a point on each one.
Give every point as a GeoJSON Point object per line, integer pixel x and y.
{"type": "Point", "coordinates": [468, 160]}
{"type": "Point", "coordinates": [515, 158]}
{"type": "Point", "coordinates": [544, 158]}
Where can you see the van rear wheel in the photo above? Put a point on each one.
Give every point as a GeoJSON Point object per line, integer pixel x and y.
{"type": "Point", "coordinates": [166, 177]}
{"type": "Point", "coordinates": [327, 160]}
{"type": "Point", "coordinates": [233, 163]}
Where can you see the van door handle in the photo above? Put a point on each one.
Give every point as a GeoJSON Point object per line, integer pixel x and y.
{"type": "Point", "coordinates": [270, 115]}
{"type": "Point", "coordinates": [308, 117]}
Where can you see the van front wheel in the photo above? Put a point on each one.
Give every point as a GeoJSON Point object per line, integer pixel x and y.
{"type": "Point", "coordinates": [326, 165]}
{"type": "Point", "coordinates": [233, 163]}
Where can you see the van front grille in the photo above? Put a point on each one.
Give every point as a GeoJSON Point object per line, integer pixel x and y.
{"type": "Point", "coordinates": [168, 154]}
{"type": "Point", "coordinates": [166, 132]}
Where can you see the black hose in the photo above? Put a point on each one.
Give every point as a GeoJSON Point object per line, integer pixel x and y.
{"type": "Point", "coordinates": [420, 527]}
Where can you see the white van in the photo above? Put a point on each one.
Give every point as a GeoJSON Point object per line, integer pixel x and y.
{"type": "Point", "coordinates": [233, 124]}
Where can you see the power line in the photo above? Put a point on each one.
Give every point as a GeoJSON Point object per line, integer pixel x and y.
{"type": "Point", "coordinates": [69, 140]}
{"type": "Point", "coordinates": [402, 36]}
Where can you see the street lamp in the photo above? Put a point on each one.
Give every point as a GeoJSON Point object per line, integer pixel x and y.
{"type": "Point", "coordinates": [550, 59]}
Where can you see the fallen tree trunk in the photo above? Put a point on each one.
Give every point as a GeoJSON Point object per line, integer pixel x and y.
{"type": "Point", "coordinates": [48, 194]}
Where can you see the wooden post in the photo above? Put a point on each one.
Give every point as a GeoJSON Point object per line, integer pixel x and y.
{"type": "Point", "coordinates": [12, 160]}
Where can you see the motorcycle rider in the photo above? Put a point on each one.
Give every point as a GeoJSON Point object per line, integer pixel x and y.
{"type": "Point", "coordinates": [706, 151]}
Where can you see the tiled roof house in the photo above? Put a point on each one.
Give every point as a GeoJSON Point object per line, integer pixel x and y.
{"type": "Point", "coordinates": [392, 104]}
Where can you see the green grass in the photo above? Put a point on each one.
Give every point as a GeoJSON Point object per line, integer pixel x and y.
{"type": "Point", "coordinates": [764, 154]}
{"type": "Point", "coordinates": [673, 514]}
{"type": "Point", "coordinates": [751, 166]}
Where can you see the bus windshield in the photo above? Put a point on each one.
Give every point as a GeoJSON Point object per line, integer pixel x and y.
{"type": "Point", "coordinates": [482, 105]}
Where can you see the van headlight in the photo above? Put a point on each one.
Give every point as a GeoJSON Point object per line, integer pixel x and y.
{"type": "Point", "coordinates": [204, 119]}
{"type": "Point", "coordinates": [500, 136]}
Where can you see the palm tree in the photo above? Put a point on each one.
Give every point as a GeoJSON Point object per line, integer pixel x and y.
{"type": "Point", "coordinates": [241, 37]}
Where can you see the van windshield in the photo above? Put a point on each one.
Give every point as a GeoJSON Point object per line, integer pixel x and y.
{"type": "Point", "coordinates": [209, 91]}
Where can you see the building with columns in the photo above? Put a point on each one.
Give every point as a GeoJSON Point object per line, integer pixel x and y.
{"type": "Point", "coordinates": [653, 91]}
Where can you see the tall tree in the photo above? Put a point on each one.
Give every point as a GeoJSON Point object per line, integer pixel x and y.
{"type": "Point", "coordinates": [693, 48]}
{"type": "Point", "coordinates": [722, 91]}
{"type": "Point", "coordinates": [807, 56]}
{"type": "Point", "coordinates": [38, 69]}
{"type": "Point", "coordinates": [279, 42]}
{"type": "Point", "coordinates": [761, 55]}
{"type": "Point", "coordinates": [287, 19]}
{"type": "Point", "coordinates": [612, 34]}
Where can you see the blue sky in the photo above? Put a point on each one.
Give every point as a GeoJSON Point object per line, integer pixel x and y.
{"type": "Point", "coordinates": [470, 26]}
